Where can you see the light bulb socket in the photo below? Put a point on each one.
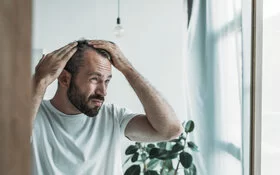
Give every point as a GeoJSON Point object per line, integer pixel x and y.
{"type": "Point", "coordinates": [118, 20]}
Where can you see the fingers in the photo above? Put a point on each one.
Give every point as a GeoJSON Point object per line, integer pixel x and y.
{"type": "Point", "coordinates": [40, 61]}
{"type": "Point", "coordinates": [43, 56]}
{"type": "Point", "coordinates": [102, 44]}
{"type": "Point", "coordinates": [64, 50]}
{"type": "Point", "coordinates": [61, 55]}
{"type": "Point", "coordinates": [97, 42]}
{"type": "Point", "coordinates": [69, 53]}
{"type": "Point", "coordinates": [58, 53]}
{"type": "Point", "coordinates": [109, 49]}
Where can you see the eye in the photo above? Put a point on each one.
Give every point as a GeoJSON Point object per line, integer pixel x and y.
{"type": "Point", "coordinates": [93, 79]}
{"type": "Point", "coordinates": [107, 81]}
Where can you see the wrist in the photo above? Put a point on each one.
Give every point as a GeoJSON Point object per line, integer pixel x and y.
{"type": "Point", "coordinates": [131, 74]}
{"type": "Point", "coordinates": [39, 86]}
{"type": "Point", "coordinates": [127, 70]}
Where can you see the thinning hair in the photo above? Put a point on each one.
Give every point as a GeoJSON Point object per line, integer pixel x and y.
{"type": "Point", "coordinates": [77, 60]}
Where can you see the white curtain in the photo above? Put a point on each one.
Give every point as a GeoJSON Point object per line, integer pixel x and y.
{"type": "Point", "coordinates": [214, 85]}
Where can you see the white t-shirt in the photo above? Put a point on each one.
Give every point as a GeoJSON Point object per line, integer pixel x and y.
{"type": "Point", "coordinates": [77, 144]}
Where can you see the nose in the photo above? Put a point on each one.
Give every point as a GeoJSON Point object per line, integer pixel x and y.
{"type": "Point", "coordinates": [101, 89]}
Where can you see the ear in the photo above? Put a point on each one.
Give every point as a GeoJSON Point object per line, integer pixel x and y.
{"type": "Point", "coordinates": [64, 78]}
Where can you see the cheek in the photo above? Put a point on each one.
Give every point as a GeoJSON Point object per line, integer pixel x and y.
{"type": "Point", "coordinates": [86, 89]}
{"type": "Point", "coordinates": [91, 88]}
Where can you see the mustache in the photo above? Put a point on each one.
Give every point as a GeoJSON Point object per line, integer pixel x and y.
{"type": "Point", "coordinates": [99, 97]}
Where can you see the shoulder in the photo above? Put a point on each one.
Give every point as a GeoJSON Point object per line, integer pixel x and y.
{"type": "Point", "coordinates": [111, 106]}
{"type": "Point", "coordinates": [44, 112]}
{"type": "Point", "coordinates": [115, 108]}
{"type": "Point", "coordinates": [43, 106]}
{"type": "Point", "coordinates": [110, 109]}
{"type": "Point", "coordinates": [38, 122]}
{"type": "Point", "coordinates": [42, 109]}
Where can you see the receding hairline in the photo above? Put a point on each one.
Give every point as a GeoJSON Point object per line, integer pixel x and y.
{"type": "Point", "coordinates": [94, 57]}
{"type": "Point", "coordinates": [78, 59]}
{"type": "Point", "coordinates": [88, 53]}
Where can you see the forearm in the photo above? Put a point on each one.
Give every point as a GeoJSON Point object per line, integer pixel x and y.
{"type": "Point", "coordinates": [37, 96]}
{"type": "Point", "coordinates": [47, 70]}
{"type": "Point", "coordinates": [158, 112]}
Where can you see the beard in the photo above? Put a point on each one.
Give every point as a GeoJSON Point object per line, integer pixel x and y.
{"type": "Point", "coordinates": [81, 101]}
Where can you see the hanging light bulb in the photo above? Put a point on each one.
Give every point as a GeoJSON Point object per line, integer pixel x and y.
{"type": "Point", "coordinates": [118, 30]}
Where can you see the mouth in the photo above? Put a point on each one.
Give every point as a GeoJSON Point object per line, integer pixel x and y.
{"type": "Point", "coordinates": [97, 102]}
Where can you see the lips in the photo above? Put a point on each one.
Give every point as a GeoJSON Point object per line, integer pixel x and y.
{"type": "Point", "coordinates": [97, 102]}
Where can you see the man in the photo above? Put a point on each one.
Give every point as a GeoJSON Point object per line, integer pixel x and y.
{"type": "Point", "coordinates": [75, 133]}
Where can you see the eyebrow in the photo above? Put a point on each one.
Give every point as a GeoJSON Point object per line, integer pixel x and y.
{"type": "Point", "coordinates": [98, 74]}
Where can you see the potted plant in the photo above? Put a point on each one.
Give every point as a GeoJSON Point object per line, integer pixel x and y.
{"type": "Point", "coordinates": [163, 158]}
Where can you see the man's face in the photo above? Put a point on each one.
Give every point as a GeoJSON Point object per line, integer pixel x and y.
{"type": "Point", "coordinates": [88, 88]}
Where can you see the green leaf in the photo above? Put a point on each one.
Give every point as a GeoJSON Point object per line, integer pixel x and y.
{"type": "Point", "coordinates": [186, 159]}
{"type": "Point", "coordinates": [147, 149]}
{"type": "Point", "coordinates": [193, 169]}
{"type": "Point", "coordinates": [144, 156]}
{"type": "Point", "coordinates": [165, 172]}
{"type": "Point", "coordinates": [190, 171]}
{"type": "Point", "coordinates": [155, 152]}
{"type": "Point", "coordinates": [151, 145]}
{"type": "Point", "coordinates": [177, 147]}
{"type": "Point", "coordinates": [131, 150]}
{"type": "Point", "coordinates": [193, 146]}
{"type": "Point", "coordinates": [172, 172]}
{"type": "Point", "coordinates": [151, 172]}
{"type": "Point", "coordinates": [135, 157]}
{"type": "Point", "coordinates": [162, 154]}
{"type": "Point", "coordinates": [138, 145]}
{"type": "Point", "coordinates": [175, 140]}
{"type": "Point", "coordinates": [187, 172]}
{"type": "Point", "coordinates": [161, 145]}
{"type": "Point", "coordinates": [189, 126]}
{"type": "Point", "coordinates": [133, 170]}
{"type": "Point", "coordinates": [153, 163]}
{"type": "Point", "coordinates": [167, 155]}
{"type": "Point", "coordinates": [168, 164]}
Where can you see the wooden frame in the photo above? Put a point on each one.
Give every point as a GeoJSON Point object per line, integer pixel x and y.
{"type": "Point", "coordinates": [15, 87]}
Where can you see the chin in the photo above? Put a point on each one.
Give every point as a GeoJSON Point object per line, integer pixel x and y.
{"type": "Point", "coordinates": [93, 112]}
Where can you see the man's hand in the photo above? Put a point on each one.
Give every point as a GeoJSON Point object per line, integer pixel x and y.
{"type": "Point", "coordinates": [47, 70]}
{"type": "Point", "coordinates": [119, 61]}
{"type": "Point", "coordinates": [52, 64]}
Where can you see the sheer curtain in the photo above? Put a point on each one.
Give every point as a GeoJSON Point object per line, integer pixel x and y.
{"type": "Point", "coordinates": [213, 82]}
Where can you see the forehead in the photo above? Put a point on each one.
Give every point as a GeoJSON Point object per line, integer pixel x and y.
{"type": "Point", "coordinates": [94, 62]}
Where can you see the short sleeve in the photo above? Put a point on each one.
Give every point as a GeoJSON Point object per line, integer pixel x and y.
{"type": "Point", "coordinates": [124, 116]}
{"type": "Point", "coordinates": [36, 123]}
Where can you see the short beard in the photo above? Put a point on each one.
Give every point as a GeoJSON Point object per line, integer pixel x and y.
{"type": "Point", "coordinates": [80, 101]}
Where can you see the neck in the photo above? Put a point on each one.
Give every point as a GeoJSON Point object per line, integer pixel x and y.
{"type": "Point", "coordinates": [61, 102]}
